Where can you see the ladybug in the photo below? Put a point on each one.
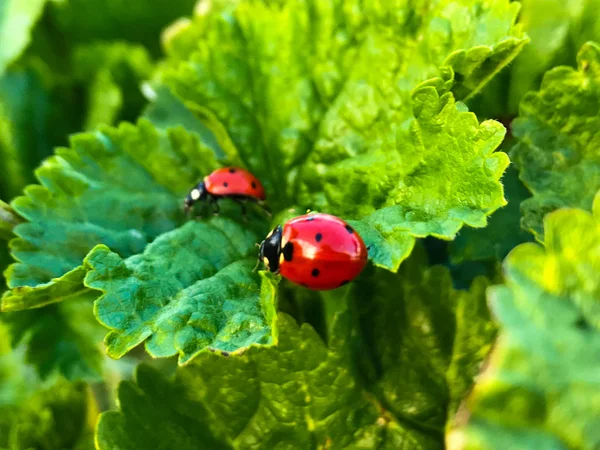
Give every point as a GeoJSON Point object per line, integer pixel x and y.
{"type": "Point", "coordinates": [318, 251]}
{"type": "Point", "coordinates": [229, 182]}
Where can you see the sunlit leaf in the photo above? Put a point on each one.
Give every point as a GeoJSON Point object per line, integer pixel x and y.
{"type": "Point", "coordinates": [443, 174]}
{"type": "Point", "coordinates": [503, 231]}
{"type": "Point", "coordinates": [557, 129]}
{"type": "Point", "coordinates": [329, 120]}
{"type": "Point", "coordinates": [17, 18]}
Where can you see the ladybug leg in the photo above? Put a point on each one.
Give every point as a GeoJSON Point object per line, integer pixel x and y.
{"type": "Point", "coordinates": [242, 204]}
{"type": "Point", "coordinates": [200, 214]}
{"type": "Point", "coordinates": [215, 206]}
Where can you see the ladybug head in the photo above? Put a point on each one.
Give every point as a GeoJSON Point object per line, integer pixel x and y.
{"type": "Point", "coordinates": [198, 193]}
{"type": "Point", "coordinates": [270, 249]}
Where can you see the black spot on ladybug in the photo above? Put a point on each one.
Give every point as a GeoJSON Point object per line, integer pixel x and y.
{"type": "Point", "coordinates": [344, 283]}
{"type": "Point", "coordinates": [349, 229]}
{"type": "Point", "coordinates": [226, 184]}
{"type": "Point", "coordinates": [288, 251]}
{"type": "Point", "coordinates": [315, 272]}
{"type": "Point", "coordinates": [310, 219]}
{"type": "Point", "coordinates": [254, 185]}
{"type": "Point", "coordinates": [231, 170]}
{"type": "Point", "coordinates": [318, 237]}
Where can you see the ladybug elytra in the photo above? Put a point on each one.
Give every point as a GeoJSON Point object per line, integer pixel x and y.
{"type": "Point", "coordinates": [228, 182]}
{"type": "Point", "coordinates": [318, 251]}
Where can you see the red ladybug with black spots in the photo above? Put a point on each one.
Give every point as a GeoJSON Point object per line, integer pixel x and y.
{"type": "Point", "coordinates": [229, 182]}
{"type": "Point", "coordinates": [318, 251]}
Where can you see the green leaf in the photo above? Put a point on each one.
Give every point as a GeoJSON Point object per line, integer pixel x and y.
{"type": "Point", "coordinates": [540, 387]}
{"type": "Point", "coordinates": [4, 262]}
{"type": "Point", "coordinates": [118, 186]}
{"type": "Point", "coordinates": [53, 415]}
{"type": "Point", "coordinates": [192, 289]}
{"type": "Point", "coordinates": [503, 231]}
{"type": "Point", "coordinates": [41, 105]}
{"type": "Point", "coordinates": [449, 176]}
{"type": "Point", "coordinates": [426, 340]}
{"type": "Point", "coordinates": [333, 102]}
{"type": "Point", "coordinates": [557, 30]}
{"type": "Point", "coordinates": [17, 18]}
{"type": "Point", "coordinates": [84, 21]}
{"type": "Point", "coordinates": [17, 379]}
{"type": "Point", "coordinates": [112, 73]}
{"type": "Point", "coordinates": [166, 111]}
{"type": "Point", "coordinates": [66, 287]}
{"type": "Point", "coordinates": [8, 220]}
{"type": "Point", "coordinates": [64, 338]}
{"type": "Point", "coordinates": [35, 115]}
{"type": "Point", "coordinates": [421, 341]}
{"type": "Point", "coordinates": [52, 419]}
{"type": "Point", "coordinates": [58, 89]}
{"type": "Point", "coordinates": [588, 29]}
{"type": "Point", "coordinates": [269, 112]}
{"type": "Point", "coordinates": [557, 150]}
{"type": "Point", "coordinates": [300, 394]}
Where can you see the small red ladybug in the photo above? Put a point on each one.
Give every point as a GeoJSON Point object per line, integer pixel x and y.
{"type": "Point", "coordinates": [229, 182]}
{"type": "Point", "coordinates": [318, 251]}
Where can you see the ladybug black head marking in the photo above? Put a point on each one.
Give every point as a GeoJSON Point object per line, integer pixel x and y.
{"type": "Point", "coordinates": [197, 194]}
{"type": "Point", "coordinates": [270, 249]}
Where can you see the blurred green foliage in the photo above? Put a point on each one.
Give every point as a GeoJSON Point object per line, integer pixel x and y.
{"type": "Point", "coordinates": [399, 117]}
{"type": "Point", "coordinates": [543, 370]}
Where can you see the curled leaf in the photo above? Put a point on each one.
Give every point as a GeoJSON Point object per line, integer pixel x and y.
{"type": "Point", "coordinates": [441, 173]}
{"type": "Point", "coordinates": [557, 130]}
